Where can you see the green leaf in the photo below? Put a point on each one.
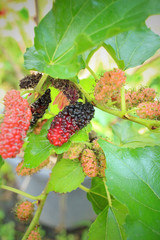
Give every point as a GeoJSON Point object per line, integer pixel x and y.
{"type": "Point", "coordinates": [63, 148]}
{"type": "Point", "coordinates": [132, 48]}
{"type": "Point", "coordinates": [82, 135]}
{"type": "Point", "coordinates": [66, 176]}
{"type": "Point", "coordinates": [67, 31]}
{"type": "Point", "coordinates": [34, 60]}
{"type": "Point", "coordinates": [38, 148]}
{"type": "Point", "coordinates": [88, 84]}
{"type": "Point", "coordinates": [97, 195]}
{"type": "Point", "coordinates": [109, 223]}
{"type": "Point", "coordinates": [133, 179]}
{"type": "Point", "coordinates": [126, 134]}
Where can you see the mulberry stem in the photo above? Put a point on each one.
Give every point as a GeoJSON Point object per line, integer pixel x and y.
{"type": "Point", "coordinates": [21, 192]}
{"type": "Point", "coordinates": [27, 91]}
{"type": "Point", "coordinates": [92, 72]}
{"type": "Point", "coordinates": [84, 188]}
{"type": "Point", "coordinates": [41, 82]}
{"type": "Point", "coordinates": [35, 220]}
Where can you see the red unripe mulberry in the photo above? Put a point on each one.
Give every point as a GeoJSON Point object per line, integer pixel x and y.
{"type": "Point", "coordinates": [34, 235]}
{"type": "Point", "coordinates": [133, 98]}
{"type": "Point", "coordinates": [108, 85]}
{"type": "Point", "coordinates": [15, 124]}
{"type": "Point", "coordinates": [24, 211]}
{"type": "Point", "coordinates": [24, 171]}
{"type": "Point", "coordinates": [149, 110]}
{"type": "Point", "coordinates": [89, 163]}
{"type": "Point", "coordinates": [101, 159]}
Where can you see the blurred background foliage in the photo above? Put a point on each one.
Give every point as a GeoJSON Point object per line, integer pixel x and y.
{"type": "Point", "coordinates": [17, 21]}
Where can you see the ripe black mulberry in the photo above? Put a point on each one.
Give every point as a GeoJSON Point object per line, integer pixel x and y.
{"type": "Point", "coordinates": [73, 118]}
{"type": "Point", "coordinates": [30, 81]}
{"type": "Point", "coordinates": [39, 107]}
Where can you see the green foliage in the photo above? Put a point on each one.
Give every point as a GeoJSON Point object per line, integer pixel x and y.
{"type": "Point", "coordinates": [59, 39]}
{"type": "Point", "coordinates": [82, 135]}
{"type": "Point", "coordinates": [132, 176]}
{"type": "Point", "coordinates": [132, 48]}
{"type": "Point", "coordinates": [7, 230]}
{"type": "Point", "coordinates": [109, 223]}
{"type": "Point", "coordinates": [88, 85]}
{"type": "Point", "coordinates": [97, 195]}
{"type": "Point", "coordinates": [38, 148]}
{"type": "Point", "coordinates": [65, 40]}
{"type": "Point", "coordinates": [66, 176]}
{"type": "Point", "coordinates": [127, 134]}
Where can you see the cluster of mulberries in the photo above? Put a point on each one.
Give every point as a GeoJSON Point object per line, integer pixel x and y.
{"type": "Point", "coordinates": [24, 171]}
{"type": "Point", "coordinates": [109, 85]}
{"type": "Point", "coordinates": [133, 98]}
{"type": "Point", "coordinates": [39, 107]}
{"type": "Point", "coordinates": [30, 81]}
{"type": "Point", "coordinates": [68, 88]}
{"type": "Point", "coordinates": [93, 161]}
{"type": "Point", "coordinates": [24, 211]}
{"type": "Point", "coordinates": [15, 124]}
{"type": "Point", "coordinates": [150, 110]}
{"type": "Point", "coordinates": [73, 118]}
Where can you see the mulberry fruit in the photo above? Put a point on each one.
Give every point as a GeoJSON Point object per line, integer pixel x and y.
{"type": "Point", "coordinates": [93, 161]}
{"type": "Point", "coordinates": [68, 88]}
{"type": "Point", "coordinates": [133, 98]}
{"type": "Point", "coordinates": [34, 235]}
{"type": "Point", "coordinates": [89, 163]}
{"type": "Point", "coordinates": [109, 85]}
{"type": "Point", "coordinates": [30, 81]}
{"type": "Point", "coordinates": [101, 159]}
{"type": "Point", "coordinates": [24, 171]}
{"type": "Point", "coordinates": [73, 118]}
{"type": "Point", "coordinates": [15, 124]}
{"type": "Point", "coordinates": [149, 110]}
{"type": "Point", "coordinates": [24, 211]}
{"type": "Point", "coordinates": [39, 107]}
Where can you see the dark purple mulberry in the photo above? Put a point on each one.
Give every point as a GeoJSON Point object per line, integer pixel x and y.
{"type": "Point", "coordinates": [73, 118]}
{"type": "Point", "coordinates": [30, 81]}
{"type": "Point", "coordinates": [68, 88]}
{"type": "Point", "coordinates": [39, 107]}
